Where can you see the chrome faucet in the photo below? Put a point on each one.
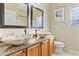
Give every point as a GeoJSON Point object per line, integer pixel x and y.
{"type": "Point", "coordinates": [36, 32]}
{"type": "Point", "coordinates": [25, 31]}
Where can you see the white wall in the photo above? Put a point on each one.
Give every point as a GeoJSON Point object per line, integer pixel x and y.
{"type": "Point", "coordinates": [5, 32]}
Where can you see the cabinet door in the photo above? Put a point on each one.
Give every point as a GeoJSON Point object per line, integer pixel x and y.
{"type": "Point", "coordinates": [51, 46]}
{"type": "Point", "coordinates": [45, 48]}
{"type": "Point", "coordinates": [33, 51]}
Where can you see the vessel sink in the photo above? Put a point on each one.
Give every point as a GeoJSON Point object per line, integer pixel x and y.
{"type": "Point", "coordinates": [31, 41]}
{"type": "Point", "coordinates": [14, 40]}
{"type": "Point", "coordinates": [42, 35]}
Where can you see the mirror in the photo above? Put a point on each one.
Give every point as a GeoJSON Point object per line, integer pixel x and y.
{"type": "Point", "coordinates": [36, 17]}
{"type": "Point", "coordinates": [16, 15]}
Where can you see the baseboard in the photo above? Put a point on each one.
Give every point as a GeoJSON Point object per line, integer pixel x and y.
{"type": "Point", "coordinates": [72, 51]}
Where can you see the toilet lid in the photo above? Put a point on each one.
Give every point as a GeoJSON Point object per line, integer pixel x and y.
{"type": "Point", "coordinates": [57, 42]}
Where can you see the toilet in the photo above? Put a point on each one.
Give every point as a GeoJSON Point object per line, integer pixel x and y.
{"type": "Point", "coordinates": [59, 46]}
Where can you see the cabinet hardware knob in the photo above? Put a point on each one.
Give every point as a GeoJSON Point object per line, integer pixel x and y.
{"type": "Point", "coordinates": [23, 51]}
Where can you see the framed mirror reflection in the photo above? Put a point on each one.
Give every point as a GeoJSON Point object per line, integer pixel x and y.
{"type": "Point", "coordinates": [14, 15]}
{"type": "Point", "coordinates": [36, 17]}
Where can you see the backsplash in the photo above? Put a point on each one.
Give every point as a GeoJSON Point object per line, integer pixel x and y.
{"type": "Point", "coordinates": [5, 32]}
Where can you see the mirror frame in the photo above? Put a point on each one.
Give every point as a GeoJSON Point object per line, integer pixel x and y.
{"type": "Point", "coordinates": [32, 16]}
{"type": "Point", "coordinates": [12, 26]}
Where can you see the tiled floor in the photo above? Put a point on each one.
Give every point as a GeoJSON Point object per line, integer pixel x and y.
{"type": "Point", "coordinates": [65, 53]}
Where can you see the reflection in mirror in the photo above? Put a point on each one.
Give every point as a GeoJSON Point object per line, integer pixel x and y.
{"type": "Point", "coordinates": [22, 15]}
{"type": "Point", "coordinates": [36, 17]}
{"type": "Point", "coordinates": [16, 14]}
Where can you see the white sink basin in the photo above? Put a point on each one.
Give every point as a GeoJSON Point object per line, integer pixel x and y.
{"type": "Point", "coordinates": [14, 40]}
{"type": "Point", "coordinates": [43, 34]}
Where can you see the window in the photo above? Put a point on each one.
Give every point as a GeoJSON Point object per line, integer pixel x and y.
{"type": "Point", "coordinates": [74, 15]}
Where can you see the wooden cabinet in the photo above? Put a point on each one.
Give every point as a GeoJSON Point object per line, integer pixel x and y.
{"type": "Point", "coordinates": [44, 47]}
{"type": "Point", "coordinates": [51, 45]}
{"type": "Point", "coordinates": [33, 50]}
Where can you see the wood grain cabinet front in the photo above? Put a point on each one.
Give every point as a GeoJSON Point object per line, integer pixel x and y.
{"type": "Point", "coordinates": [33, 50]}
{"type": "Point", "coordinates": [44, 48]}
{"type": "Point", "coordinates": [51, 46]}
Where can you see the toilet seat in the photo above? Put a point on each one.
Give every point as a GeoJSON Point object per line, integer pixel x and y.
{"type": "Point", "coordinates": [60, 44]}
{"type": "Point", "coordinates": [57, 42]}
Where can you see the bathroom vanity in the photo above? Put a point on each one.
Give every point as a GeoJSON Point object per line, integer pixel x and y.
{"type": "Point", "coordinates": [41, 47]}
{"type": "Point", "coordinates": [15, 15]}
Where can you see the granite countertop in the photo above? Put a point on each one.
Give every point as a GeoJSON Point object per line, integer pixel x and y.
{"type": "Point", "coordinates": [14, 49]}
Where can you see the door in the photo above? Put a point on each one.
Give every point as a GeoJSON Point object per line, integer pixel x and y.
{"type": "Point", "coordinates": [44, 47]}
{"type": "Point", "coordinates": [33, 50]}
